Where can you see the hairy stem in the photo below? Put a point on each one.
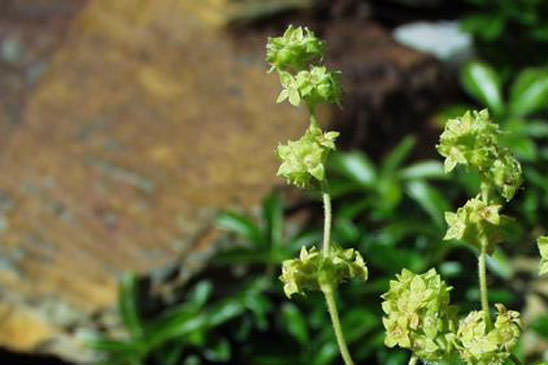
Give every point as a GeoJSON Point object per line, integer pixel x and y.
{"type": "Point", "coordinates": [335, 321]}
{"type": "Point", "coordinates": [483, 285]}
{"type": "Point", "coordinates": [515, 359]}
{"type": "Point", "coordinates": [327, 218]}
{"type": "Point", "coordinates": [413, 360]}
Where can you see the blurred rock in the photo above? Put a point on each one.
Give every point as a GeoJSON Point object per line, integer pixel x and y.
{"type": "Point", "coordinates": [147, 120]}
{"type": "Point", "coordinates": [443, 40]}
{"type": "Point", "coordinates": [390, 90]}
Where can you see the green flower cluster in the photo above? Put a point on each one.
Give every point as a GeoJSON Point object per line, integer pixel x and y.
{"type": "Point", "coordinates": [476, 223]}
{"type": "Point", "coordinates": [293, 55]}
{"type": "Point", "coordinates": [319, 85]}
{"type": "Point", "coordinates": [294, 50]}
{"type": "Point", "coordinates": [542, 243]}
{"type": "Point", "coordinates": [303, 160]}
{"type": "Point", "coordinates": [419, 316]}
{"type": "Point", "coordinates": [477, 346]}
{"type": "Point", "coordinates": [472, 140]}
{"type": "Point", "coordinates": [314, 270]}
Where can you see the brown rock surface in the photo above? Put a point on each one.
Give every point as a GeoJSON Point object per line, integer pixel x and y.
{"type": "Point", "coordinates": [147, 120]}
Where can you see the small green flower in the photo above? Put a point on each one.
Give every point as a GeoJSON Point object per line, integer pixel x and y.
{"type": "Point", "coordinates": [474, 221]}
{"type": "Point", "coordinates": [472, 140]}
{"type": "Point", "coordinates": [303, 160]}
{"type": "Point", "coordinates": [313, 270]}
{"type": "Point", "coordinates": [294, 50]}
{"type": "Point", "coordinates": [542, 243]}
{"type": "Point", "coordinates": [419, 316]}
{"type": "Point", "coordinates": [476, 346]}
{"type": "Point", "coordinates": [319, 85]}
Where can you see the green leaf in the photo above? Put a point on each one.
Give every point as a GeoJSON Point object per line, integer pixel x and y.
{"type": "Point", "coordinates": [540, 326]}
{"type": "Point", "coordinates": [355, 166]}
{"type": "Point", "coordinates": [398, 155]}
{"type": "Point", "coordinates": [175, 324]}
{"type": "Point", "coordinates": [295, 322]}
{"type": "Point", "coordinates": [486, 26]}
{"type": "Point", "coordinates": [326, 354]}
{"type": "Point", "coordinates": [529, 93]}
{"type": "Point", "coordinates": [273, 217]}
{"type": "Point", "coordinates": [200, 293]}
{"type": "Point", "coordinates": [499, 265]}
{"type": "Point", "coordinates": [423, 170]}
{"type": "Point", "coordinates": [219, 352]}
{"type": "Point", "coordinates": [482, 82]}
{"type": "Point", "coordinates": [225, 311]}
{"type": "Point", "coordinates": [127, 304]}
{"type": "Point", "coordinates": [306, 239]}
{"type": "Point", "coordinates": [358, 322]}
{"type": "Point", "coordinates": [430, 199]}
{"type": "Point", "coordinates": [241, 225]}
{"type": "Point", "coordinates": [111, 346]}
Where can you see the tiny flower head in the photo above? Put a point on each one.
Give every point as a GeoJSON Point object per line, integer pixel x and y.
{"type": "Point", "coordinates": [477, 346]}
{"type": "Point", "coordinates": [419, 316]}
{"type": "Point", "coordinates": [303, 160]}
{"type": "Point", "coordinates": [314, 270]}
{"type": "Point", "coordinates": [294, 50]}
{"type": "Point", "coordinates": [473, 140]}
{"type": "Point", "coordinates": [315, 86]}
{"type": "Point", "coordinates": [476, 222]}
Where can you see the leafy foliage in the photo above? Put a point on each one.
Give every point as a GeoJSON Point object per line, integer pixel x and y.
{"type": "Point", "coordinates": [501, 25]}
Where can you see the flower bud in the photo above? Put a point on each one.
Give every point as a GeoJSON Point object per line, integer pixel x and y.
{"type": "Point", "coordinates": [472, 140]}
{"type": "Point", "coordinates": [477, 346]}
{"type": "Point", "coordinates": [294, 50]}
{"type": "Point", "coordinates": [419, 316]}
{"type": "Point", "coordinates": [303, 160]}
{"type": "Point", "coordinates": [313, 270]}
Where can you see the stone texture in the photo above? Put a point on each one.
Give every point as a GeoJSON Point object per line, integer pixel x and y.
{"type": "Point", "coordinates": [148, 119]}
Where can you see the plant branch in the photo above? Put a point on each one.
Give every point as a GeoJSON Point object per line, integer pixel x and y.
{"type": "Point", "coordinates": [327, 218]}
{"type": "Point", "coordinates": [483, 284]}
{"type": "Point", "coordinates": [335, 321]}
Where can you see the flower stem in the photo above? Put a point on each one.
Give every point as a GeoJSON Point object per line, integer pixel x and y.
{"type": "Point", "coordinates": [335, 321]}
{"type": "Point", "coordinates": [313, 120]}
{"type": "Point", "coordinates": [327, 218]}
{"type": "Point", "coordinates": [483, 285]}
{"type": "Point", "coordinates": [413, 360]}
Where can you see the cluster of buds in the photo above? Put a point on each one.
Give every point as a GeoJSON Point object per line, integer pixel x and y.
{"type": "Point", "coordinates": [314, 271]}
{"type": "Point", "coordinates": [473, 140]}
{"type": "Point", "coordinates": [419, 316]}
{"type": "Point", "coordinates": [303, 160]}
{"type": "Point", "coordinates": [296, 56]}
{"type": "Point", "coordinates": [294, 50]}
{"type": "Point", "coordinates": [479, 346]}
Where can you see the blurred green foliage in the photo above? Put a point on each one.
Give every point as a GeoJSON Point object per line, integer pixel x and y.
{"type": "Point", "coordinates": [392, 212]}
{"type": "Point", "coordinates": [511, 34]}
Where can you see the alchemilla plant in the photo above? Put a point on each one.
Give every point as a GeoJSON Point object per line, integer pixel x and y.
{"type": "Point", "coordinates": [418, 311]}
{"type": "Point", "coordinates": [297, 57]}
{"type": "Point", "coordinates": [472, 141]}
